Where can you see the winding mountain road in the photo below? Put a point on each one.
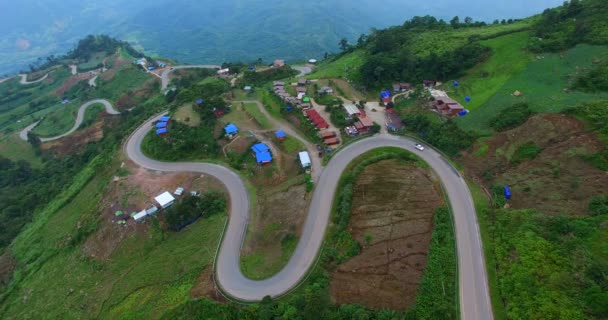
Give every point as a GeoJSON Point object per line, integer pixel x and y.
{"type": "Point", "coordinates": [79, 118]}
{"type": "Point", "coordinates": [304, 70]}
{"type": "Point", "coordinates": [164, 76]}
{"type": "Point", "coordinates": [24, 79]}
{"type": "Point", "coordinates": [474, 292]}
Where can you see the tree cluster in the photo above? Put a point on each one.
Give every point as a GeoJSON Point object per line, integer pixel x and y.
{"type": "Point", "coordinates": [258, 78]}
{"type": "Point", "coordinates": [447, 136]}
{"type": "Point", "coordinates": [511, 117]}
{"type": "Point", "coordinates": [189, 209]}
{"type": "Point", "coordinates": [573, 23]}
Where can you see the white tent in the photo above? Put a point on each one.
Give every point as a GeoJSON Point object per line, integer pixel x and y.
{"type": "Point", "coordinates": [165, 199]}
{"type": "Point", "coordinates": [304, 159]}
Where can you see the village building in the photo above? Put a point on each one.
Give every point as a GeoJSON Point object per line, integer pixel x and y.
{"type": "Point", "coordinates": [393, 122]}
{"type": "Point", "coordinates": [165, 199]}
{"type": "Point", "coordinates": [352, 110]}
{"type": "Point", "coordinates": [326, 90]}
{"type": "Point", "coordinates": [301, 89]}
{"type": "Point", "coordinates": [262, 153]}
{"type": "Point", "coordinates": [304, 159]}
{"type": "Point", "coordinates": [401, 86]}
{"type": "Point", "coordinates": [161, 132]}
{"type": "Point", "coordinates": [302, 82]}
{"type": "Point", "coordinates": [231, 130]}
{"type": "Point", "coordinates": [447, 107]}
{"type": "Point", "coordinates": [140, 216]}
{"type": "Point", "coordinates": [160, 125]}
{"type": "Point", "coordinates": [278, 63]}
{"type": "Point", "coordinates": [280, 135]}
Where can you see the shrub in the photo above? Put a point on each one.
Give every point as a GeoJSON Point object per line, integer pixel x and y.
{"type": "Point", "coordinates": [511, 117]}
{"type": "Point", "coordinates": [599, 205]}
{"type": "Point", "coordinates": [526, 151]}
{"type": "Point", "coordinates": [191, 208]}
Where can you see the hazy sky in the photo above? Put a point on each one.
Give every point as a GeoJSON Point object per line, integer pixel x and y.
{"type": "Point", "coordinates": [34, 28]}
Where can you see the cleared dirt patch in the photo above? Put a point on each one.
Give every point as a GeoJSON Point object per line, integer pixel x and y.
{"type": "Point", "coordinates": [75, 141]}
{"type": "Point", "coordinates": [392, 218]}
{"type": "Point", "coordinates": [557, 180]}
{"type": "Point", "coordinates": [7, 266]}
{"type": "Point", "coordinates": [133, 192]}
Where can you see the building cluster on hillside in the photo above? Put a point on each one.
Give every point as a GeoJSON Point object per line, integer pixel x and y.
{"type": "Point", "coordinates": [301, 101]}
{"type": "Point", "coordinates": [150, 66]}
{"type": "Point", "coordinates": [445, 105]}
{"type": "Point", "coordinates": [330, 138]}
{"type": "Point", "coordinates": [162, 125]}
{"type": "Point", "coordinates": [363, 123]}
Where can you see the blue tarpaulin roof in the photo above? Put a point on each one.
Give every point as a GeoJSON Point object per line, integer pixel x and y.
{"type": "Point", "coordinates": [385, 94]}
{"type": "Point", "coordinates": [161, 131]}
{"type": "Point", "coordinates": [161, 124]}
{"type": "Point", "coordinates": [462, 113]}
{"type": "Point", "coordinates": [165, 119]}
{"type": "Point", "coordinates": [199, 101]}
{"type": "Point", "coordinates": [262, 157]}
{"type": "Point", "coordinates": [507, 192]}
{"type": "Point", "coordinates": [231, 128]}
{"type": "Point", "coordinates": [260, 148]}
{"type": "Point", "coordinates": [280, 134]}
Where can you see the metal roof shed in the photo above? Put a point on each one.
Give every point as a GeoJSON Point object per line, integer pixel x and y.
{"type": "Point", "coordinates": [161, 125]}
{"type": "Point", "coordinates": [140, 216]}
{"type": "Point", "coordinates": [165, 119]}
{"type": "Point", "coordinates": [165, 199]}
{"type": "Point", "coordinates": [231, 129]}
{"type": "Point", "coordinates": [351, 109]}
{"type": "Point", "coordinates": [304, 159]}
{"type": "Point", "coordinates": [280, 135]}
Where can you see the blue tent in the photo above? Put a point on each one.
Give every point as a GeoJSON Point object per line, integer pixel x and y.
{"type": "Point", "coordinates": [462, 113]}
{"type": "Point", "coordinates": [231, 129]}
{"type": "Point", "coordinates": [251, 68]}
{"type": "Point", "coordinates": [165, 119]}
{"type": "Point", "coordinates": [456, 83]}
{"type": "Point", "coordinates": [263, 157]}
{"type": "Point", "coordinates": [467, 99]}
{"type": "Point", "coordinates": [199, 101]}
{"type": "Point", "coordinates": [280, 134]}
{"type": "Point", "coordinates": [507, 192]}
{"type": "Point", "coordinates": [161, 131]}
{"type": "Point", "coordinates": [288, 108]}
{"type": "Point", "coordinates": [161, 125]}
{"type": "Point", "coordinates": [385, 94]}
{"type": "Point", "coordinates": [260, 148]}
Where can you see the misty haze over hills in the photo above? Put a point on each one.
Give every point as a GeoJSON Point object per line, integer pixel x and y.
{"type": "Point", "coordinates": [208, 31]}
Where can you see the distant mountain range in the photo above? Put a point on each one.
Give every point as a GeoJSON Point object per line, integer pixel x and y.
{"type": "Point", "coordinates": [207, 31]}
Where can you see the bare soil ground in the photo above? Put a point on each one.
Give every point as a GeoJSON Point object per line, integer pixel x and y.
{"type": "Point", "coordinates": [117, 63]}
{"type": "Point", "coordinates": [74, 142]}
{"type": "Point", "coordinates": [392, 218]}
{"type": "Point", "coordinates": [558, 180]}
{"type": "Point", "coordinates": [133, 192]}
{"type": "Point", "coordinates": [72, 81]}
{"type": "Point", "coordinates": [7, 267]}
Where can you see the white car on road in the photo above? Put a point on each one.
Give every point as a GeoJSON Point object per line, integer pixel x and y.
{"type": "Point", "coordinates": [419, 147]}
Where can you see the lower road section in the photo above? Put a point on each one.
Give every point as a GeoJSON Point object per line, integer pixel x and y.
{"type": "Point", "coordinates": [474, 293]}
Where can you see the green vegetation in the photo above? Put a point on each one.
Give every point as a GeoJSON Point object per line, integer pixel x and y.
{"type": "Point", "coordinates": [126, 81]}
{"type": "Point", "coordinates": [599, 205]}
{"type": "Point", "coordinates": [345, 66]}
{"type": "Point", "coordinates": [260, 118]}
{"type": "Point", "coordinates": [258, 78]}
{"type": "Point", "coordinates": [595, 80]}
{"type": "Point", "coordinates": [549, 267]}
{"type": "Point", "coordinates": [596, 116]}
{"type": "Point", "coordinates": [182, 143]}
{"type": "Point", "coordinates": [527, 151]}
{"type": "Point", "coordinates": [573, 23]}
{"type": "Point", "coordinates": [511, 117]}
{"type": "Point", "coordinates": [189, 209]}
{"type": "Point", "coordinates": [544, 86]}
{"type": "Point", "coordinates": [59, 120]}
{"type": "Point", "coordinates": [481, 82]}
{"type": "Point", "coordinates": [446, 136]}
{"type": "Point", "coordinates": [255, 267]}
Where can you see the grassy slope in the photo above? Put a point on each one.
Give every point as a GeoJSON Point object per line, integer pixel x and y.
{"type": "Point", "coordinates": [260, 118]}
{"type": "Point", "coordinates": [147, 274]}
{"type": "Point", "coordinates": [128, 78]}
{"type": "Point", "coordinates": [543, 83]}
{"type": "Point", "coordinates": [508, 59]}
{"type": "Point", "coordinates": [13, 148]}
{"type": "Point", "coordinates": [59, 121]}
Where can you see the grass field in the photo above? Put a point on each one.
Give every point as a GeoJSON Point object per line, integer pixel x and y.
{"type": "Point", "coordinates": [93, 63]}
{"type": "Point", "coordinates": [186, 115]}
{"type": "Point", "coordinates": [127, 79]}
{"type": "Point", "coordinates": [12, 147]}
{"type": "Point", "coordinates": [149, 273]}
{"type": "Point", "coordinates": [254, 111]}
{"type": "Point", "coordinates": [344, 67]}
{"type": "Point", "coordinates": [543, 83]}
{"type": "Point", "coordinates": [508, 58]}
{"type": "Point", "coordinates": [59, 120]}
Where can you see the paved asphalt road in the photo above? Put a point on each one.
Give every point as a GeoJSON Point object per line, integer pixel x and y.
{"type": "Point", "coordinates": [474, 293]}
{"type": "Point", "coordinates": [165, 74]}
{"type": "Point", "coordinates": [24, 79]}
{"type": "Point", "coordinates": [79, 118]}
{"type": "Point", "coordinates": [304, 70]}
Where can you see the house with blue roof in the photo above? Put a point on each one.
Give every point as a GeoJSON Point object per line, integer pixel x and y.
{"type": "Point", "coordinates": [231, 130]}
{"type": "Point", "coordinates": [262, 153]}
{"type": "Point", "coordinates": [281, 135]}
{"type": "Point", "coordinates": [161, 131]}
{"type": "Point", "coordinates": [161, 125]}
{"type": "Point", "coordinates": [165, 119]}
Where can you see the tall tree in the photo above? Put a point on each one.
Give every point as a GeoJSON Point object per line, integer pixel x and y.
{"type": "Point", "coordinates": [343, 44]}
{"type": "Point", "coordinates": [455, 22]}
